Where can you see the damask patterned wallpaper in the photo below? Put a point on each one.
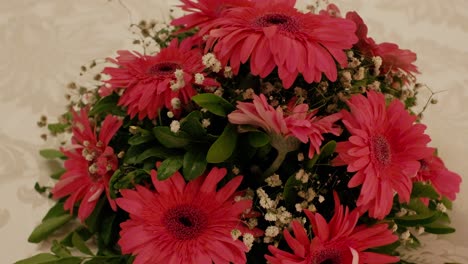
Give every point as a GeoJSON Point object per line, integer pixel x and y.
{"type": "Point", "coordinates": [44, 43]}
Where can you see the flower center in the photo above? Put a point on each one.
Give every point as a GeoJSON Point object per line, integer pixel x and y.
{"type": "Point", "coordinates": [163, 68]}
{"type": "Point", "coordinates": [284, 22]}
{"type": "Point", "coordinates": [381, 150]}
{"type": "Point", "coordinates": [326, 256]}
{"type": "Point", "coordinates": [100, 159]}
{"type": "Point", "coordinates": [185, 222]}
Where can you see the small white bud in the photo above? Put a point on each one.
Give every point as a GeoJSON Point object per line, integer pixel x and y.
{"type": "Point", "coordinates": [321, 199]}
{"type": "Point", "coordinates": [175, 126]}
{"type": "Point", "coordinates": [206, 122]}
{"type": "Point", "coordinates": [235, 234]}
{"type": "Point", "coordinates": [175, 103]}
{"type": "Point", "coordinates": [272, 231]}
{"type": "Point", "coordinates": [405, 235]}
{"type": "Point", "coordinates": [199, 78]}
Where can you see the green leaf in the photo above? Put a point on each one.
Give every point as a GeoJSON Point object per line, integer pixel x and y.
{"type": "Point", "coordinates": [170, 139]}
{"type": "Point", "coordinates": [82, 231]}
{"type": "Point", "coordinates": [448, 204]}
{"type": "Point", "coordinates": [60, 250]}
{"type": "Point", "coordinates": [79, 244]}
{"type": "Point", "coordinates": [290, 190]}
{"type": "Point", "coordinates": [326, 151]}
{"type": "Point", "coordinates": [169, 166]}
{"type": "Point", "coordinates": [109, 105]}
{"type": "Point", "coordinates": [132, 153]}
{"type": "Point", "coordinates": [156, 152]}
{"type": "Point", "coordinates": [224, 146]}
{"type": "Point", "coordinates": [423, 215]}
{"type": "Point", "coordinates": [213, 103]}
{"type": "Point", "coordinates": [418, 219]}
{"type": "Point", "coordinates": [116, 176]}
{"type": "Point", "coordinates": [38, 259]}
{"type": "Point", "coordinates": [69, 260]}
{"type": "Point", "coordinates": [439, 228]}
{"type": "Point", "coordinates": [194, 164]}
{"type": "Point", "coordinates": [191, 124]}
{"type": "Point", "coordinates": [387, 249]}
{"type": "Point", "coordinates": [418, 206]}
{"type": "Point", "coordinates": [108, 228]}
{"type": "Point", "coordinates": [120, 180]}
{"type": "Point", "coordinates": [258, 139]}
{"type": "Point", "coordinates": [93, 219]}
{"type": "Point", "coordinates": [58, 174]}
{"type": "Point", "coordinates": [55, 211]}
{"type": "Point", "coordinates": [106, 260]}
{"type": "Point", "coordinates": [425, 190]}
{"type": "Point", "coordinates": [48, 227]}
{"type": "Point", "coordinates": [140, 139]}
{"type": "Point", "coordinates": [51, 154]}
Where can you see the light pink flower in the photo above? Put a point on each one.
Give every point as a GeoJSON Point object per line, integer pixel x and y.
{"type": "Point", "coordinates": [300, 123]}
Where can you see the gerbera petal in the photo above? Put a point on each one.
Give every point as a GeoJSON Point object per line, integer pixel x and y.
{"type": "Point", "coordinates": [163, 216]}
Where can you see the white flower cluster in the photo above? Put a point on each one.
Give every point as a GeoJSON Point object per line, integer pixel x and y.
{"type": "Point", "coordinates": [377, 64]}
{"type": "Point", "coordinates": [228, 72]}
{"type": "Point", "coordinates": [180, 82]}
{"type": "Point", "coordinates": [248, 195]}
{"type": "Point", "coordinates": [211, 62]}
{"type": "Point", "coordinates": [274, 180]}
{"type": "Point", "coordinates": [302, 176]}
{"type": "Point", "coordinates": [265, 201]}
{"type": "Point", "coordinates": [353, 62]}
{"type": "Point", "coordinates": [151, 34]}
{"type": "Point", "coordinates": [278, 217]}
{"type": "Point", "coordinates": [176, 103]}
{"type": "Point", "coordinates": [199, 78]}
{"type": "Point", "coordinates": [175, 126]}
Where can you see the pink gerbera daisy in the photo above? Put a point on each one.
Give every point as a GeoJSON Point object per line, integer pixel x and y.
{"type": "Point", "coordinates": [299, 123]}
{"type": "Point", "coordinates": [393, 58]}
{"type": "Point", "coordinates": [90, 164]}
{"type": "Point", "coordinates": [153, 82]}
{"type": "Point", "coordinates": [384, 150]}
{"type": "Point", "coordinates": [273, 34]}
{"type": "Point", "coordinates": [184, 223]}
{"type": "Point", "coordinates": [433, 170]}
{"type": "Point", "coordinates": [339, 241]}
{"type": "Point", "coordinates": [204, 11]}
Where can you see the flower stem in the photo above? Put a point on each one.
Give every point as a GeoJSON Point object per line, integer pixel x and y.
{"type": "Point", "coordinates": [276, 163]}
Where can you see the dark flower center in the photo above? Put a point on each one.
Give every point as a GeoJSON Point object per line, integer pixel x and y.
{"type": "Point", "coordinates": [326, 256]}
{"type": "Point", "coordinates": [185, 222]}
{"type": "Point", "coordinates": [163, 68]}
{"type": "Point", "coordinates": [381, 150]}
{"type": "Point", "coordinates": [284, 22]}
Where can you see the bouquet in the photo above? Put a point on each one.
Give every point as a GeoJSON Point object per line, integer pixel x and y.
{"type": "Point", "coordinates": [246, 132]}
